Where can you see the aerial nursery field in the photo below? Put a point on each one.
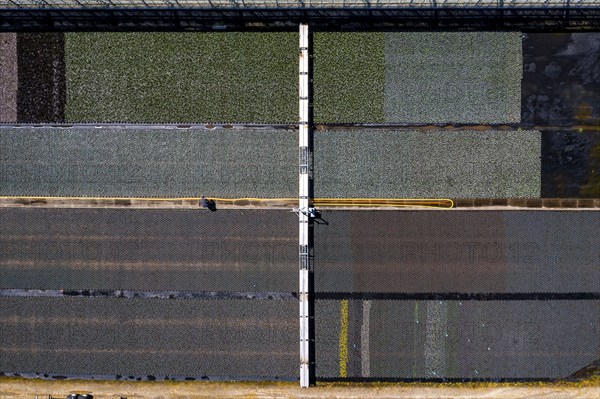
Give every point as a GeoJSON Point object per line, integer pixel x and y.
{"type": "Point", "coordinates": [417, 78]}
{"type": "Point", "coordinates": [251, 77]}
{"type": "Point", "coordinates": [172, 77]}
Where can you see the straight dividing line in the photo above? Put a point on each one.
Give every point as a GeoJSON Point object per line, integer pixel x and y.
{"type": "Point", "coordinates": [343, 347]}
{"type": "Point", "coordinates": [365, 335]}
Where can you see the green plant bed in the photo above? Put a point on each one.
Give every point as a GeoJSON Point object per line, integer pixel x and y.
{"type": "Point", "coordinates": [148, 162]}
{"type": "Point", "coordinates": [417, 77]}
{"type": "Point", "coordinates": [182, 77]}
{"type": "Point", "coordinates": [349, 75]}
{"type": "Point", "coordinates": [427, 164]}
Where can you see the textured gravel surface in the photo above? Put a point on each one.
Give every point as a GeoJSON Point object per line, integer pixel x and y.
{"type": "Point", "coordinates": [348, 77]}
{"type": "Point", "coordinates": [431, 164]}
{"type": "Point", "coordinates": [168, 163]}
{"type": "Point", "coordinates": [458, 252]}
{"type": "Point", "coordinates": [182, 77]}
{"type": "Point", "coordinates": [468, 339]}
{"type": "Point", "coordinates": [149, 250]}
{"type": "Point", "coordinates": [8, 77]}
{"type": "Point", "coordinates": [453, 77]}
{"type": "Point", "coordinates": [229, 338]}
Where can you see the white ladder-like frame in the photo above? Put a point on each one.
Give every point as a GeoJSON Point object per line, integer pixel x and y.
{"type": "Point", "coordinates": [304, 204]}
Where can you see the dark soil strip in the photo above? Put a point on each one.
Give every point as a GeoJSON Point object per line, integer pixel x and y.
{"type": "Point", "coordinates": [561, 73]}
{"type": "Point", "coordinates": [571, 164]}
{"type": "Point", "coordinates": [42, 89]}
{"type": "Point", "coordinates": [149, 294]}
{"type": "Point", "coordinates": [137, 377]}
{"type": "Point", "coordinates": [591, 370]}
{"type": "Point", "coordinates": [8, 77]}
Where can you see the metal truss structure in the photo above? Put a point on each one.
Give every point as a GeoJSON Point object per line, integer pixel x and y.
{"type": "Point", "coordinates": [547, 15]}
{"type": "Point", "coordinates": [245, 4]}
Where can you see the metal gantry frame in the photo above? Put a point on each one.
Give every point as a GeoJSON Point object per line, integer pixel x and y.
{"type": "Point", "coordinates": [305, 214]}
{"type": "Point", "coordinates": [526, 15]}
{"type": "Point", "coordinates": [86, 4]}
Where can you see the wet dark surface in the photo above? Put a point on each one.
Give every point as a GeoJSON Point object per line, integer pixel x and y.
{"type": "Point", "coordinates": [561, 76]}
{"type": "Point", "coordinates": [41, 95]}
{"type": "Point", "coordinates": [570, 164]}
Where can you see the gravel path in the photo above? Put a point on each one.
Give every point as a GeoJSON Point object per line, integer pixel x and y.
{"type": "Point", "coordinates": [14, 388]}
{"type": "Point", "coordinates": [8, 77]}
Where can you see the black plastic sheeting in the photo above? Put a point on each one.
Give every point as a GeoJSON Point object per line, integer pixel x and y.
{"type": "Point", "coordinates": [560, 79]}
{"type": "Point", "coordinates": [570, 164]}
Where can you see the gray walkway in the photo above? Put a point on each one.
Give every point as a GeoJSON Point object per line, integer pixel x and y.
{"type": "Point", "coordinates": [454, 339]}
{"type": "Point", "coordinates": [110, 336]}
{"type": "Point", "coordinates": [458, 252]}
{"type": "Point", "coordinates": [148, 250]}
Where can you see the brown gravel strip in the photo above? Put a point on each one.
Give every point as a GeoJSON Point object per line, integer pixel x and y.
{"type": "Point", "coordinates": [288, 203]}
{"type": "Point", "coordinates": [8, 77]}
{"type": "Point", "coordinates": [22, 388]}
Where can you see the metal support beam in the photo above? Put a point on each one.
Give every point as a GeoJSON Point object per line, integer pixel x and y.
{"type": "Point", "coordinates": [304, 217]}
{"type": "Point", "coordinates": [527, 19]}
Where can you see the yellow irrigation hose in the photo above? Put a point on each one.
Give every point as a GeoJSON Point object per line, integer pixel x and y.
{"type": "Point", "coordinates": [430, 203]}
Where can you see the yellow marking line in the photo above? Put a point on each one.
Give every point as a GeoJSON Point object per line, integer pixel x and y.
{"type": "Point", "coordinates": [344, 338]}
{"type": "Point", "coordinates": [432, 203]}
